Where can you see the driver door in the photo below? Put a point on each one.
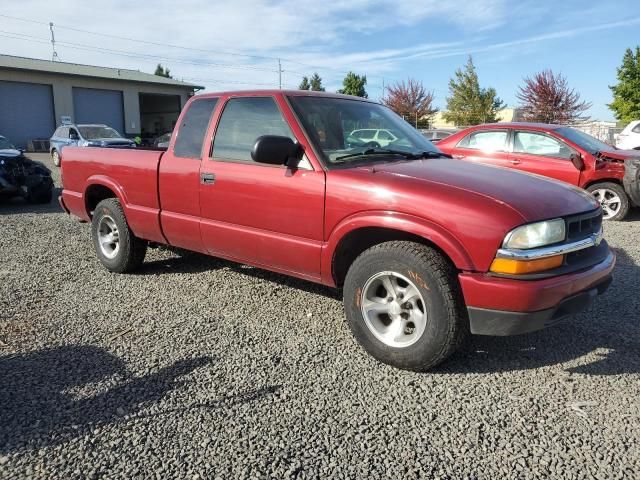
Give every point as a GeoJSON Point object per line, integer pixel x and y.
{"type": "Point", "coordinates": [540, 153]}
{"type": "Point", "coordinates": [265, 215]}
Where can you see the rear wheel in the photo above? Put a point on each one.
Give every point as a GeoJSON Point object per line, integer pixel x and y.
{"type": "Point", "coordinates": [116, 246]}
{"type": "Point", "coordinates": [612, 198]}
{"type": "Point", "coordinates": [404, 305]}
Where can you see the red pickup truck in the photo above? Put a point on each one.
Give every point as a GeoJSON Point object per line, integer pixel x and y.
{"type": "Point", "coordinates": [427, 249]}
{"type": "Point", "coordinates": [555, 151]}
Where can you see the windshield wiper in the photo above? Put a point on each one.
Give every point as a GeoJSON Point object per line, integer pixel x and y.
{"type": "Point", "coordinates": [382, 151]}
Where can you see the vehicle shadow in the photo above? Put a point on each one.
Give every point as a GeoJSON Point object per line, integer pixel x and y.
{"type": "Point", "coordinates": [608, 333]}
{"type": "Point", "coordinates": [42, 400]}
{"type": "Point", "coordinates": [191, 262]}
{"type": "Point", "coordinates": [17, 205]}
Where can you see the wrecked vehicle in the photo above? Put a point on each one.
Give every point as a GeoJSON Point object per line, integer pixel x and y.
{"type": "Point", "coordinates": [23, 177]}
{"type": "Point", "coordinates": [556, 151]}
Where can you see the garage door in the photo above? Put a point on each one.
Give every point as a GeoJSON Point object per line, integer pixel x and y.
{"type": "Point", "coordinates": [92, 105]}
{"type": "Point", "coordinates": [26, 112]}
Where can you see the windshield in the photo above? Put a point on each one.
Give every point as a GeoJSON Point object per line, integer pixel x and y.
{"type": "Point", "coordinates": [583, 140]}
{"type": "Point", "coordinates": [93, 133]}
{"type": "Point", "coordinates": [6, 144]}
{"type": "Point", "coordinates": [347, 131]}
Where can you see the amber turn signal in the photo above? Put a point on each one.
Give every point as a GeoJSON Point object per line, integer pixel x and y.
{"type": "Point", "coordinates": [519, 267]}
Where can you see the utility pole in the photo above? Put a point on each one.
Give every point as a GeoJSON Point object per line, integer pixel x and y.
{"type": "Point", "coordinates": [279, 74]}
{"type": "Point", "coordinates": [54, 55]}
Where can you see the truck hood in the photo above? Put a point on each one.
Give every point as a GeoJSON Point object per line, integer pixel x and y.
{"type": "Point", "coordinates": [534, 197]}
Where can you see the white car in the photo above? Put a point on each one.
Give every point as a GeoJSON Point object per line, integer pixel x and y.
{"type": "Point", "coordinates": [629, 138]}
{"type": "Point", "coordinates": [381, 136]}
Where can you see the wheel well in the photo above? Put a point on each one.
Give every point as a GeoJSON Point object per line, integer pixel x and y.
{"type": "Point", "coordinates": [361, 239]}
{"type": "Point", "coordinates": [94, 195]}
{"type": "Point", "coordinates": [604, 180]}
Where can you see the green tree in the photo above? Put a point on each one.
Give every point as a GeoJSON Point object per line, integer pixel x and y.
{"type": "Point", "coordinates": [354, 85]}
{"type": "Point", "coordinates": [304, 84]}
{"type": "Point", "coordinates": [162, 72]}
{"type": "Point", "coordinates": [469, 104]}
{"type": "Point", "coordinates": [626, 94]}
{"type": "Point", "coordinates": [316, 83]}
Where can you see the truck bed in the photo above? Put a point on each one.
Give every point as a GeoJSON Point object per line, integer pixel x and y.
{"type": "Point", "coordinates": [131, 174]}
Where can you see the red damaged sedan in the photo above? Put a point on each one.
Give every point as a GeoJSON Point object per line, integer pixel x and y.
{"type": "Point", "coordinates": [555, 151]}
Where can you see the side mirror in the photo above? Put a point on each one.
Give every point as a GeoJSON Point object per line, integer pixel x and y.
{"type": "Point", "coordinates": [276, 150]}
{"type": "Point", "coordinates": [577, 161]}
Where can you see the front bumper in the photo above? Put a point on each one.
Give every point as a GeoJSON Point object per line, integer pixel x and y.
{"type": "Point", "coordinates": [507, 306]}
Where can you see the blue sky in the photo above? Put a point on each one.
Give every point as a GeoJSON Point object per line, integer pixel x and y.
{"type": "Point", "coordinates": [235, 45]}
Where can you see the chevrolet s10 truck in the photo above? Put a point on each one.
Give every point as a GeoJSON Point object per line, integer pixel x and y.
{"type": "Point", "coordinates": [426, 249]}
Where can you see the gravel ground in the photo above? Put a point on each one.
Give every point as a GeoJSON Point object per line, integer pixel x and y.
{"type": "Point", "coordinates": [197, 368]}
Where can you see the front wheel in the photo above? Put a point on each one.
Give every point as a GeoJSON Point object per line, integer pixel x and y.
{"type": "Point", "coordinates": [55, 156]}
{"type": "Point", "coordinates": [116, 246]}
{"type": "Point", "coordinates": [404, 305]}
{"type": "Point", "coordinates": [612, 198]}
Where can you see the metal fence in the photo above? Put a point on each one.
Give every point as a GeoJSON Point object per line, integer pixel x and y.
{"type": "Point", "coordinates": [601, 131]}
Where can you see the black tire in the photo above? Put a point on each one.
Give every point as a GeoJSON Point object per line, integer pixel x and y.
{"type": "Point", "coordinates": [131, 249]}
{"type": "Point", "coordinates": [447, 323]}
{"type": "Point", "coordinates": [40, 194]}
{"type": "Point", "coordinates": [56, 158]}
{"type": "Point", "coordinates": [623, 210]}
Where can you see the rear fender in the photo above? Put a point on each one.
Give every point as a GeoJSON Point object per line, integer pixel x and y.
{"type": "Point", "coordinates": [430, 231]}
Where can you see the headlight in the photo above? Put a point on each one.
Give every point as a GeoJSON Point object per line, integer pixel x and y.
{"type": "Point", "coordinates": [536, 235]}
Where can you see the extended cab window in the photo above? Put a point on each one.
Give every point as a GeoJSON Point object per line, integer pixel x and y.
{"type": "Point", "coordinates": [540, 144]}
{"type": "Point", "coordinates": [193, 128]}
{"type": "Point", "coordinates": [486, 140]}
{"type": "Point", "coordinates": [243, 121]}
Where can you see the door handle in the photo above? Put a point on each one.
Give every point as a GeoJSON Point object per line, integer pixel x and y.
{"type": "Point", "coordinates": [515, 161]}
{"type": "Point", "coordinates": [207, 178]}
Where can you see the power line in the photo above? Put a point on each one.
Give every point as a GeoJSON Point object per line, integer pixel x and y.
{"type": "Point", "coordinates": [182, 47]}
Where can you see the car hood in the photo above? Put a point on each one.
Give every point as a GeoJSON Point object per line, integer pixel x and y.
{"type": "Point", "coordinates": [620, 154]}
{"type": "Point", "coordinates": [534, 197]}
{"type": "Point", "coordinates": [10, 152]}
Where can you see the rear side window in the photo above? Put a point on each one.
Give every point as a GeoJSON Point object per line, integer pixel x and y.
{"type": "Point", "coordinates": [636, 129]}
{"type": "Point", "coordinates": [193, 128]}
{"type": "Point", "coordinates": [243, 121]}
{"type": "Point", "coordinates": [486, 140]}
{"type": "Point", "coordinates": [62, 132]}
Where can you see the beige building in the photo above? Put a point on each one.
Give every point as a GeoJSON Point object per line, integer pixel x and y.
{"type": "Point", "coordinates": [36, 96]}
{"type": "Point", "coordinates": [504, 115]}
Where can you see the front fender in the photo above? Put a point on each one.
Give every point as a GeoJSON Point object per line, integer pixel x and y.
{"type": "Point", "coordinates": [428, 230]}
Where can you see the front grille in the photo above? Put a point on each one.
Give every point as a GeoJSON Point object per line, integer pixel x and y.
{"type": "Point", "coordinates": [580, 227]}
{"type": "Point", "coordinates": [583, 226]}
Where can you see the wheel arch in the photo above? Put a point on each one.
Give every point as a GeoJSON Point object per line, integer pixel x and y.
{"type": "Point", "coordinates": [617, 181]}
{"type": "Point", "coordinates": [362, 231]}
{"type": "Point", "coordinates": [100, 188]}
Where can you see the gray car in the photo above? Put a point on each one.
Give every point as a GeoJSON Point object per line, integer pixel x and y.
{"type": "Point", "coordinates": [96, 135]}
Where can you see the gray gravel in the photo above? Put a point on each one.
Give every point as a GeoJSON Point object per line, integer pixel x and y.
{"type": "Point", "coordinates": [197, 368]}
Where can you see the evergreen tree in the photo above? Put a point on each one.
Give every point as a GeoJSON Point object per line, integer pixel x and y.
{"type": "Point", "coordinates": [626, 93]}
{"type": "Point", "coordinates": [304, 84]}
{"type": "Point", "coordinates": [354, 85]}
{"type": "Point", "coordinates": [469, 104]}
{"type": "Point", "coordinates": [316, 83]}
{"type": "Point", "coordinates": [162, 72]}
